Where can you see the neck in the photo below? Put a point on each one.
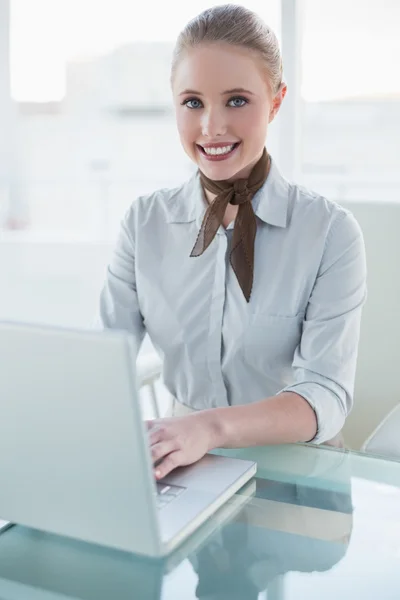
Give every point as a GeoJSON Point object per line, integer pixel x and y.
{"type": "Point", "coordinates": [230, 212]}
{"type": "Point", "coordinates": [209, 195]}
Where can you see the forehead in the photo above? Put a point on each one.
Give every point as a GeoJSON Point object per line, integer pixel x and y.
{"type": "Point", "coordinates": [219, 66]}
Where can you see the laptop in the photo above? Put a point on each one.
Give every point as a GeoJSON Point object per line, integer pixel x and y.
{"type": "Point", "coordinates": [74, 454]}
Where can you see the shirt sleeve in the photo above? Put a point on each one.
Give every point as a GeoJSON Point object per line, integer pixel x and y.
{"type": "Point", "coordinates": [325, 360]}
{"type": "Point", "coordinates": [119, 306]}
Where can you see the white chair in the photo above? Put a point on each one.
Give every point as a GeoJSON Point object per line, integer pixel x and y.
{"type": "Point", "coordinates": [377, 389]}
{"type": "Point", "coordinates": [385, 440]}
{"type": "Point", "coordinates": [148, 369]}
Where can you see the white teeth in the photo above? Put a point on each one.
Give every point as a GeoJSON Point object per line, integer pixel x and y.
{"type": "Point", "coordinates": [215, 151]}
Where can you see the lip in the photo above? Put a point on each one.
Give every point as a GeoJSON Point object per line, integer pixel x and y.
{"type": "Point", "coordinates": [217, 157]}
{"type": "Point", "coordinates": [217, 144]}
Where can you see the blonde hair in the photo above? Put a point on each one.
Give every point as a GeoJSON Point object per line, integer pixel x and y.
{"type": "Point", "coordinates": [235, 25]}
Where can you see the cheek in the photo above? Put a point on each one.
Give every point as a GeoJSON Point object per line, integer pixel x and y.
{"type": "Point", "coordinates": [255, 124]}
{"type": "Point", "coordinates": [186, 128]}
{"type": "Point", "coordinates": [252, 119]}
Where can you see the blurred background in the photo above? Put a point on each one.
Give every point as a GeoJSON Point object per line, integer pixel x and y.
{"type": "Point", "coordinates": [86, 112]}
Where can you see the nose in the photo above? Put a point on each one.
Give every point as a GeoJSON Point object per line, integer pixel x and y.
{"type": "Point", "coordinates": [213, 123]}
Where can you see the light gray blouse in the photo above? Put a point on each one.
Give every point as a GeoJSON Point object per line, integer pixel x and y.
{"type": "Point", "coordinates": [300, 330]}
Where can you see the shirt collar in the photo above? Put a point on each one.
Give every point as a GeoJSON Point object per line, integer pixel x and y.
{"type": "Point", "coordinates": [270, 203]}
{"type": "Point", "coordinates": [185, 203]}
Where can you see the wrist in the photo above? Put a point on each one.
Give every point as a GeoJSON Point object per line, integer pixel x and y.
{"type": "Point", "coordinates": [216, 425]}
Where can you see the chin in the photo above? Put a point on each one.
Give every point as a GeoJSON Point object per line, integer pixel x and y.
{"type": "Point", "coordinates": [218, 171]}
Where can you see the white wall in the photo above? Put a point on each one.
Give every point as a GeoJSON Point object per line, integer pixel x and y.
{"type": "Point", "coordinates": [59, 283]}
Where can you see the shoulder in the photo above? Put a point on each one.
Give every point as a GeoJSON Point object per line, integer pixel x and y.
{"type": "Point", "coordinates": [162, 205]}
{"type": "Point", "coordinates": [334, 234]}
{"type": "Point", "coordinates": [312, 210]}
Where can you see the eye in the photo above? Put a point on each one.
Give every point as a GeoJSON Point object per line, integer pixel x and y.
{"type": "Point", "coordinates": [191, 103]}
{"type": "Point", "coordinates": [238, 101]}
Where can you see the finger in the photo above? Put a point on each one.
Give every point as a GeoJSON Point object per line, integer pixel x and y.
{"type": "Point", "coordinates": [158, 433]}
{"type": "Point", "coordinates": [170, 462]}
{"type": "Point", "coordinates": [162, 449]}
{"type": "Point", "coordinates": [151, 423]}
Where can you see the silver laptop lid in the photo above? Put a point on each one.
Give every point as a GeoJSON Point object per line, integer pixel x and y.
{"type": "Point", "coordinates": [73, 452]}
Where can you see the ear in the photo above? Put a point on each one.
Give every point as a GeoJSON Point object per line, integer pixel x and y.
{"type": "Point", "coordinates": [277, 101]}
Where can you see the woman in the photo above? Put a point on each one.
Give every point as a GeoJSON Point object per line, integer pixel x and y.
{"type": "Point", "coordinates": [251, 288]}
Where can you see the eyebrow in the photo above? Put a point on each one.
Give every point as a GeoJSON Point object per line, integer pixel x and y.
{"type": "Point", "coordinates": [238, 90]}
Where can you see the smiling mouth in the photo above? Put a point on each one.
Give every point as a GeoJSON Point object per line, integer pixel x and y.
{"type": "Point", "coordinates": [218, 151]}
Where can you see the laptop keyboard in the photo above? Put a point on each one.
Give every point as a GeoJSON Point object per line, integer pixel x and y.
{"type": "Point", "coordinates": [166, 493]}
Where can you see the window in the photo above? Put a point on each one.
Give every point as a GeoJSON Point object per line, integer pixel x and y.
{"type": "Point", "coordinates": [93, 109]}
{"type": "Point", "coordinates": [351, 99]}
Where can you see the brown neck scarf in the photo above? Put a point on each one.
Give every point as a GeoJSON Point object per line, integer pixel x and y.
{"type": "Point", "coordinates": [239, 192]}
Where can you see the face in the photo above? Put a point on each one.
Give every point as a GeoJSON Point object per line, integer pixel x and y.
{"type": "Point", "coordinates": [223, 106]}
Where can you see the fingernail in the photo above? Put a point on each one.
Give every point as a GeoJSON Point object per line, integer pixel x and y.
{"type": "Point", "coordinates": [157, 474]}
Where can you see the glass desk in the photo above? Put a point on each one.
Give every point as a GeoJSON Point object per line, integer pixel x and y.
{"type": "Point", "coordinates": [317, 523]}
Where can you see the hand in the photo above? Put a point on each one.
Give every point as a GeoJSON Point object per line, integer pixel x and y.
{"type": "Point", "coordinates": [180, 441]}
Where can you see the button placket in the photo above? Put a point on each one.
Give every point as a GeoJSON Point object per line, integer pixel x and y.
{"type": "Point", "coordinates": [214, 348]}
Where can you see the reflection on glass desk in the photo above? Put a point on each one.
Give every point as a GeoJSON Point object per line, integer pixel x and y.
{"type": "Point", "coordinates": [316, 523]}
